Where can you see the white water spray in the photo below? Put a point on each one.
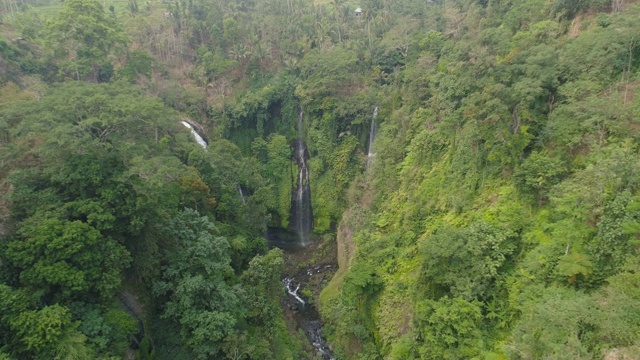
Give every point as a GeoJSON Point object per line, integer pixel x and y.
{"type": "Point", "coordinates": [196, 136]}
{"type": "Point", "coordinates": [288, 285]}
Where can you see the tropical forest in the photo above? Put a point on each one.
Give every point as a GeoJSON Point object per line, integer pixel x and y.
{"type": "Point", "coordinates": [319, 179]}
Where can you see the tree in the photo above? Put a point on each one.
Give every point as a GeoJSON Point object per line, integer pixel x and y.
{"type": "Point", "coordinates": [196, 284]}
{"type": "Point", "coordinates": [574, 264]}
{"type": "Point", "coordinates": [561, 325]}
{"type": "Point", "coordinates": [537, 174]}
{"type": "Point", "coordinates": [12, 303]}
{"type": "Point", "coordinates": [66, 259]}
{"type": "Point", "coordinates": [263, 286]}
{"type": "Point", "coordinates": [449, 328]}
{"type": "Point", "coordinates": [619, 301]}
{"type": "Point", "coordinates": [325, 72]}
{"type": "Point", "coordinates": [49, 334]}
{"type": "Point", "coordinates": [139, 63]}
{"type": "Point", "coordinates": [84, 37]}
{"type": "Point", "coordinates": [466, 262]}
{"type": "Point", "coordinates": [361, 281]}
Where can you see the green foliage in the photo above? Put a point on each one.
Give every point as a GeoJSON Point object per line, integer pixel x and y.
{"type": "Point", "coordinates": [449, 328]}
{"type": "Point", "coordinates": [537, 174]}
{"type": "Point", "coordinates": [325, 70]}
{"type": "Point", "coordinates": [263, 278]}
{"type": "Point", "coordinates": [466, 262]}
{"type": "Point", "coordinates": [123, 326]}
{"type": "Point", "coordinates": [571, 8]}
{"type": "Point", "coordinates": [69, 258]}
{"type": "Point", "coordinates": [139, 63]}
{"type": "Point", "coordinates": [94, 327]}
{"type": "Point", "coordinates": [266, 335]}
{"type": "Point", "coordinates": [16, 61]}
{"type": "Point", "coordinates": [278, 171]}
{"type": "Point", "coordinates": [108, 332]}
{"type": "Point", "coordinates": [45, 333]}
{"type": "Point", "coordinates": [562, 325]}
{"type": "Point", "coordinates": [145, 353]}
{"type": "Point", "coordinates": [80, 209]}
{"type": "Point", "coordinates": [571, 265]}
{"type": "Point", "coordinates": [531, 117]}
{"type": "Point", "coordinates": [501, 207]}
{"type": "Point", "coordinates": [215, 64]}
{"type": "Point", "coordinates": [612, 245]}
{"type": "Point", "coordinates": [362, 280]}
{"type": "Point", "coordinates": [195, 283]}
{"type": "Point", "coordinates": [83, 36]}
{"type": "Point", "coordinates": [12, 303]}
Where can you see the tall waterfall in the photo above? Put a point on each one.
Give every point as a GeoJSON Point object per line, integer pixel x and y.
{"type": "Point", "coordinates": [301, 218]}
{"type": "Point", "coordinates": [195, 134]}
{"type": "Point", "coordinates": [372, 137]}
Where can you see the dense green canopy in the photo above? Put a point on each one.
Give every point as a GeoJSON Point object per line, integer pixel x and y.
{"type": "Point", "coordinates": [497, 217]}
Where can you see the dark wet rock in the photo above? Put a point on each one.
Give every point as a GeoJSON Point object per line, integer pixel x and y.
{"type": "Point", "coordinates": [303, 281]}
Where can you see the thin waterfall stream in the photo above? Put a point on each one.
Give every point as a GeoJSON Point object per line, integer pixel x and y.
{"type": "Point", "coordinates": [244, 201]}
{"type": "Point", "coordinates": [372, 137]}
{"type": "Point", "coordinates": [202, 142]}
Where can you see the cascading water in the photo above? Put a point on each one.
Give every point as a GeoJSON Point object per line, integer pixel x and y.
{"type": "Point", "coordinates": [195, 134]}
{"type": "Point", "coordinates": [372, 137]}
{"type": "Point", "coordinates": [305, 314]}
{"type": "Point", "coordinates": [301, 218]}
{"type": "Point", "coordinates": [288, 285]}
{"type": "Point", "coordinates": [244, 201]}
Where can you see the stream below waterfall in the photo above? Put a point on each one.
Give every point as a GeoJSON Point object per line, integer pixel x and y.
{"type": "Point", "coordinates": [303, 284]}
{"type": "Point", "coordinates": [306, 317]}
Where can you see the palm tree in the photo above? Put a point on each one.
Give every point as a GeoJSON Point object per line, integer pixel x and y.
{"type": "Point", "coordinates": [338, 14]}
{"type": "Point", "coordinates": [239, 52]}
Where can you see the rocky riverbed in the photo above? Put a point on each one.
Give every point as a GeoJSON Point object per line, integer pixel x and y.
{"type": "Point", "coordinates": [308, 271]}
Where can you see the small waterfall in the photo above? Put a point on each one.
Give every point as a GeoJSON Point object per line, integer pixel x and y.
{"type": "Point", "coordinates": [288, 285]}
{"type": "Point", "coordinates": [372, 137]}
{"type": "Point", "coordinates": [244, 201]}
{"type": "Point", "coordinates": [301, 214]}
{"type": "Point", "coordinates": [196, 136]}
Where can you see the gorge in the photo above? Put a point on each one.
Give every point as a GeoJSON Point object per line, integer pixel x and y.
{"type": "Point", "coordinates": [179, 180]}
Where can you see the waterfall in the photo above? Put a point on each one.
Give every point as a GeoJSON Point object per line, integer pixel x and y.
{"type": "Point", "coordinates": [301, 217]}
{"type": "Point", "coordinates": [244, 201]}
{"type": "Point", "coordinates": [196, 136]}
{"type": "Point", "coordinates": [372, 137]}
{"type": "Point", "coordinates": [288, 285]}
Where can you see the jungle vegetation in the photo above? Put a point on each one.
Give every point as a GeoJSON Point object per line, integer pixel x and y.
{"type": "Point", "coordinates": [498, 219]}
